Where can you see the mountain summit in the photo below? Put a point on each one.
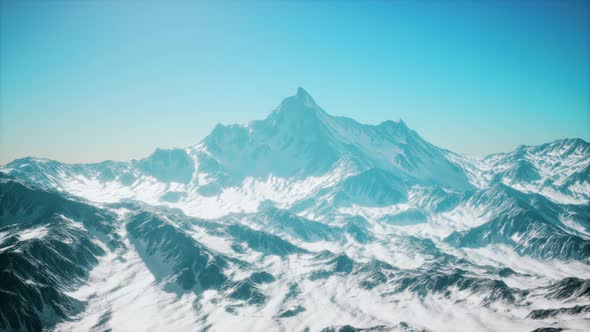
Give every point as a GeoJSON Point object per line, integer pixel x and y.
{"type": "Point", "coordinates": [299, 113]}
{"type": "Point", "coordinates": [300, 139]}
{"type": "Point", "coordinates": [305, 97]}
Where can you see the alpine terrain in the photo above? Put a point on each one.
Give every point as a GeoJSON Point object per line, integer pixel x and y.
{"type": "Point", "coordinates": [302, 221]}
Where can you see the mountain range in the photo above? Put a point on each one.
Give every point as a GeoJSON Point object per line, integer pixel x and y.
{"type": "Point", "coordinates": [302, 221]}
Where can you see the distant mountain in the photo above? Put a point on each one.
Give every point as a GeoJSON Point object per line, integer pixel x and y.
{"type": "Point", "coordinates": [300, 221]}
{"type": "Point", "coordinates": [558, 170]}
{"type": "Point", "coordinates": [299, 139]}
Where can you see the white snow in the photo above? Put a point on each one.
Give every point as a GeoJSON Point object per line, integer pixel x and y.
{"type": "Point", "coordinates": [33, 233]}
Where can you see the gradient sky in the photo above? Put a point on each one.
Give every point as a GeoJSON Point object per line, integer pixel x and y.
{"type": "Point", "coordinates": [86, 81]}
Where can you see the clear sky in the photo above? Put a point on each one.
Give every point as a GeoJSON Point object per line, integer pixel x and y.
{"type": "Point", "coordinates": [91, 80]}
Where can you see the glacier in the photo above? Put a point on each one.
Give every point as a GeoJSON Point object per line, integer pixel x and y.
{"type": "Point", "coordinates": [302, 221]}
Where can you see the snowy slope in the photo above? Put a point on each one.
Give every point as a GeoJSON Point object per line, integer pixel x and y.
{"type": "Point", "coordinates": [558, 170]}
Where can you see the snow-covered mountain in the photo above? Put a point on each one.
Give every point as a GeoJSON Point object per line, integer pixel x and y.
{"type": "Point", "coordinates": [558, 170]}
{"type": "Point", "coordinates": [301, 221]}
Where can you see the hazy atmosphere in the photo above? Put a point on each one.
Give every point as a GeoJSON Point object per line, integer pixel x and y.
{"type": "Point", "coordinates": [315, 166]}
{"type": "Point", "coordinates": [85, 81]}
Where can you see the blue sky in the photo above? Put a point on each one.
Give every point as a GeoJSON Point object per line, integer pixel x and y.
{"type": "Point", "coordinates": [86, 81]}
